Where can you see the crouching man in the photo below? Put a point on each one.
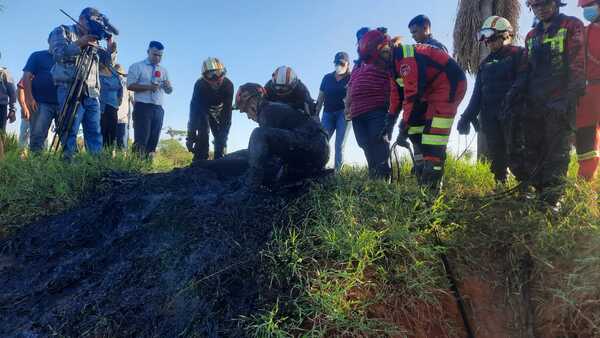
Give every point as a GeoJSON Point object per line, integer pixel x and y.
{"type": "Point", "coordinates": [284, 134]}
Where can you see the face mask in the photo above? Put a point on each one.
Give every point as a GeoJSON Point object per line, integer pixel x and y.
{"type": "Point", "coordinates": [591, 13]}
{"type": "Point", "coordinates": [339, 69]}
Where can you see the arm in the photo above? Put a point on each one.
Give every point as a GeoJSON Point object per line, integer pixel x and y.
{"type": "Point", "coordinates": [22, 101]}
{"type": "Point", "coordinates": [133, 76]}
{"type": "Point", "coordinates": [30, 101]}
{"type": "Point", "coordinates": [195, 107]}
{"type": "Point", "coordinates": [576, 59]}
{"type": "Point", "coordinates": [320, 101]}
{"type": "Point", "coordinates": [348, 102]}
{"type": "Point", "coordinates": [62, 49]}
{"type": "Point", "coordinates": [227, 106]}
{"type": "Point", "coordinates": [411, 87]}
{"type": "Point", "coordinates": [166, 84]}
{"type": "Point", "coordinates": [474, 107]}
{"type": "Point", "coordinates": [11, 91]}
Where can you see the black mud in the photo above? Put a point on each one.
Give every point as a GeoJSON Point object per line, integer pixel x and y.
{"type": "Point", "coordinates": [163, 255]}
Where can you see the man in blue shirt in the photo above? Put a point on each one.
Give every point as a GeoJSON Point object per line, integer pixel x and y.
{"type": "Point", "coordinates": [420, 28]}
{"type": "Point", "coordinates": [40, 96]}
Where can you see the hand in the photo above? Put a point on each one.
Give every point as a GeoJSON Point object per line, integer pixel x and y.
{"type": "Point", "coordinates": [31, 103]}
{"type": "Point", "coordinates": [386, 133]}
{"type": "Point", "coordinates": [87, 40]}
{"type": "Point", "coordinates": [12, 115]}
{"type": "Point", "coordinates": [112, 46]}
{"type": "Point", "coordinates": [153, 87]}
{"type": "Point", "coordinates": [166, 85]}
{"type": "Point", "coordinates": [25, 114]}
{"type": "Point", "coordinates": [347, 115]}
{"type": "Point", "coordinates": [402, 139]}
{"type": "Point", "coordinates": [464, 126]}
{"type": "Point", "coordinates": [189, 144]}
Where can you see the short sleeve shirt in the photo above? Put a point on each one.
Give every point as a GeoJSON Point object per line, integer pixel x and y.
{"type": "Point", "coordinates": [334, 92]}
{"type": "Point", "coordinates": [39, 65]}
{"type": "Point", "coordinates": [144, 73]}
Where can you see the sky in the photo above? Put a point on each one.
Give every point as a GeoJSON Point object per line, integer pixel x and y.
{"type": "Point", "coordinates": [251, 38]}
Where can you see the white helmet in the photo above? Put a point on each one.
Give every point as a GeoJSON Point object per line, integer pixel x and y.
{"type": "Point", "coordinates": [494, 25]}
{"type": "Point", "coordinates": [284, 79]}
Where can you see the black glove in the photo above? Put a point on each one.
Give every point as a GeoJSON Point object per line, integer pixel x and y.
{"type": "Point", "coordinates": [464, 125]}
{"type": "Point", "coordinates": [402, 139]}
{"type": "Point", "coordinates": [189, 143]}
{"type": "Point", "coordinates": [388, 128]}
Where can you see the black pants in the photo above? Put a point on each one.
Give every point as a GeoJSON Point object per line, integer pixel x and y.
{"type": "Point", "coordinates": [300, 153]}
{"type": "Point", "coordinates": [3, 117]}
{"type": "Point", "coordinates": [548, 146]}
{"type": "Point", "coordinates": [108, 126]}
{"type": "Point", "coordinates": [220, 130]}
{"type": "Point", "coordinates": [147, 123]}
{"type": "Point", "coordinates": [496, 132]}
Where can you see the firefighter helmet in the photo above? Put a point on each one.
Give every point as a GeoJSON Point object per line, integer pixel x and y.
{"type": "Point", "coordinates": [246, 92]}
{"type": "Point", "coordinates": [494, 25]}
{"type": "Point", "coordinates": [284, 79]}
{"type": "Point", "coordinates": [213, 67]}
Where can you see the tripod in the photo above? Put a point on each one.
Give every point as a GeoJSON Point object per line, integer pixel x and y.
{"type": "Point", "coordinates": [68, 112]}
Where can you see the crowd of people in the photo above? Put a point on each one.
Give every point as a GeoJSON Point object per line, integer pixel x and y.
{"type": "Point", "coordinates": [532, 102]}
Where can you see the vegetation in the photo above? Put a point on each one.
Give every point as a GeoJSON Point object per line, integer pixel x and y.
{"type": "Point", "coordinates": [362, 259]}
{"type": "Point", "coordinates": [44, 184]}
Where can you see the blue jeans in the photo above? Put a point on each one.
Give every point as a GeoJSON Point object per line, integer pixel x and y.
{"type": "Point", "coordinates": [24, 133]}
{"type": "Point", "coordinates": [88, 115]}
{"type": "Point", "coordinates": [367, 128]}
{"type": "Point", "coordinates": [40, 123]}
{"type": "Point", "coordinates": [122, 135]}
{"type": "Point", "coordinates": [336, 122]}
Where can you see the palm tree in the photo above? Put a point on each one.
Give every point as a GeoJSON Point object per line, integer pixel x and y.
{"type": "Point", "coordinates": [468, 51]}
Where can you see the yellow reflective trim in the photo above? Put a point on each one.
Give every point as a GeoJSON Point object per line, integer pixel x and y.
{"type": "Point", "coordinates": [557, 42]}
{"type": "Point", "coordinates": [442, 122]}
{"type": "Point", "coordinates": [416, 130]}
{"type": "Point", "coordinates": [588, 156]}
{"type": "Point", "coordinates": [400, 82]}
{"type": "Point", "coordinates": [437, 168]}
{"type": "Point", "coordinates": [408, 51]}
{"type": "Point", "coordinates": [435, 140]}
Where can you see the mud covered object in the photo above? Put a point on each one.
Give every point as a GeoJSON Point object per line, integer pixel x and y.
{"type": "Point", "coordinates": [287, 135]}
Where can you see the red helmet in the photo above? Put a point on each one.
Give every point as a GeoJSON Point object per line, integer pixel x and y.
{"type": "Point", "coordinates": [585, 3]}
{"type": "Point", "coordinates": [370, 44]}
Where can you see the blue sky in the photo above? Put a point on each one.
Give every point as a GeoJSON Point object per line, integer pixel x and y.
{"type": "Point", "coordinates": [252, 38]}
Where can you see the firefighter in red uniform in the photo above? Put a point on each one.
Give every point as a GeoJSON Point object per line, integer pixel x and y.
{"type": "Point", "coordinates": [552, 79]}
{"type": "Point", "coordinates": [428, 85]}
{"type": "Point", "coordinates": [588, 112]}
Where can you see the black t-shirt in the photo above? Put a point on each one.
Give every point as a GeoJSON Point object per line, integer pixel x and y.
{"type": "Point", "coordinates": [39, 64]}
{"type": "Point", "coordinates": [334, 92]}
{"type": "Point", "coordinates": [205, 97]}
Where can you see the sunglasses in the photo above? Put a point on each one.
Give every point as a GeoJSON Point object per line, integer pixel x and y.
{"type": "Point", "coordinates": [213, 75]}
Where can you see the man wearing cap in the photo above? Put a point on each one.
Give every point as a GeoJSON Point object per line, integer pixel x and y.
{"type": "Point", "coordinates": [552, 79]}
{"type": "Point", "coordinates": [331, 96]}
{"type": "Point", "coordinates": [149, 81]}
{"type": "Point", "coordinates": [66, 44]}
{"type": "Point", "coordinates": [210, 109]}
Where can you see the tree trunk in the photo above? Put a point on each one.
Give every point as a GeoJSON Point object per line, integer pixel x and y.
{"type": "Point", "coordinates": [487, 9]}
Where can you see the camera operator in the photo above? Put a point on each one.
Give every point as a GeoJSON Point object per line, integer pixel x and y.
{"type": "Point", "coordinates": [148, 80]}
{"type": "Point", "coordinates": [67, 43]}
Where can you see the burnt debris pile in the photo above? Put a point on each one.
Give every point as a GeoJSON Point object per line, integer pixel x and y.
{"type": "Point", "coordinates": [159, 255]}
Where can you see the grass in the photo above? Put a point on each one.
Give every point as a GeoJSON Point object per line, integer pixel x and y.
{"type": "Point", "coordinates": [361, 257]}
{"type": "Point", "coordinates": [43, 185]}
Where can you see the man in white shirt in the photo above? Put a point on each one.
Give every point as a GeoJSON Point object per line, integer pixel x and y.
{"type": "Point", "coordinates": [148, 80]}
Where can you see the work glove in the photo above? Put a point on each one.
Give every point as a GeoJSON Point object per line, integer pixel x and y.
{"type": "Point", "coordinates": [386, 133]}
{"type": "Point", "coordinates": [402, 139]}
{"type": "Point", "coordinates": [464, 125]}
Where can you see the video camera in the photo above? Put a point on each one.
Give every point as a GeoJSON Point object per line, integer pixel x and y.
{"type": "Point", "coordinates": [100, 26]}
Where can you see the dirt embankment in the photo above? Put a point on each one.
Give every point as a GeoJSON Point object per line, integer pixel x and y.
{"type": "Point", "coordinates": [163, 255]}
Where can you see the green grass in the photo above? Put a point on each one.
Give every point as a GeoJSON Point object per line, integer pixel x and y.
{"type": "Point", "coordinates": [44, 184]}
{"type": "Point", "coordinates": [356, 252]}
